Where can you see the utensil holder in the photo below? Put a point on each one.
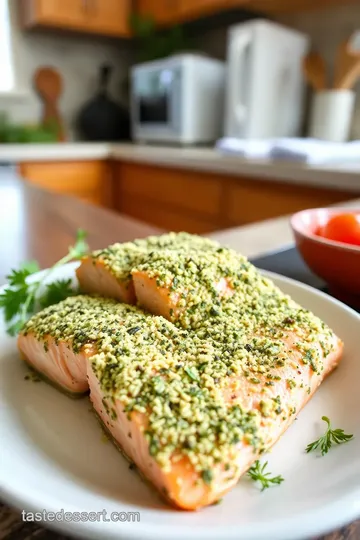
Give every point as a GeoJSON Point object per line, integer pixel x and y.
{"type": "Point", "coordinates": [331, 115]}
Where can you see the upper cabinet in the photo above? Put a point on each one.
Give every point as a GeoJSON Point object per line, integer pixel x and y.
{"type": "Point", "coordinates": [106, 17]}
{"type": "Point", "coordinates": [162, 11]}
{"type": "Point", "coordinates": [191, 9]}
{"type": "Point", "coordinates": [109, 17]}
{"type": "Point", "coordinates": [112, 17]}
{"type": "Point", "coordinates": [166, 12]}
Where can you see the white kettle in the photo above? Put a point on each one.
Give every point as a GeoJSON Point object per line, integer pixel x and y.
{"type": "Point", "coordinates": [265, 85]}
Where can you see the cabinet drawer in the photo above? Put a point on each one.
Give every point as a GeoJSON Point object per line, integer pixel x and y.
{"type": "Point", "coordinates": [88, 180]}
{"type": "Point", "coordinates": [158, 215]}
{"type": "Point", "coordinates": [255, 200]}
{"type": "Point", "coordinates": [177, 188]}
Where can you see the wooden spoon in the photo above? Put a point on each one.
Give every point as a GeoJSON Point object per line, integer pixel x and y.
{"type": "Point", "coordinates": [48, 83]}
{"type": "Point", "coordinates": [315, 71]}
{"type": "Point", "coordinates": [347, 69]}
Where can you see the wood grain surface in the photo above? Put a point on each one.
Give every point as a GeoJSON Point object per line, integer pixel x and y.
{"type": "Point", "coordinates": [203, 202]}
{"type": "Point", "coordinates": [89, 181]}
{"type": "Point", "coordinates": [35, 224]}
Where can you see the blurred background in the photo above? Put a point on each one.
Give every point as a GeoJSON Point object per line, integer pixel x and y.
{"type": "Point", "coordinates": [190, 115]}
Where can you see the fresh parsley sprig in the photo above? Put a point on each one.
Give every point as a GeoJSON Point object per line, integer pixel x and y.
{"type": "Point", "coordinates": [56, 291]}
{"type": "Point", "coordinates": [324, 443]}
{"type": "Point", "coordinates": [19, 298]}
{"type": "Point", "coordinates": [258, 474]}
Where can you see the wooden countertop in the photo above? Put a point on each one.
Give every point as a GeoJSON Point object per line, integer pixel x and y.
{"type": "Point", "coordinates": [38, 225]}
{"type": "Point", "coordinates": [340, 175]}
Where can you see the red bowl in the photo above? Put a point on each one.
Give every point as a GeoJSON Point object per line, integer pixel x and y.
{"type": "Point", "coordinates": [337, 263]}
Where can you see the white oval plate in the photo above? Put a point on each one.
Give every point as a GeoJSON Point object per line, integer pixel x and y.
{"type": "Point", "coordinates": [53, 456]}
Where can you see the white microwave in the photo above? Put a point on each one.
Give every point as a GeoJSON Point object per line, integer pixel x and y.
{"type": "Point", "coordinates": [265, 84]}
{"type": "Point", "coordinates": [178, 99]}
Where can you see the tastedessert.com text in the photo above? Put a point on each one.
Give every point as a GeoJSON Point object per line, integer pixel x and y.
{"type": "Point", "coordinates": [76, 517]}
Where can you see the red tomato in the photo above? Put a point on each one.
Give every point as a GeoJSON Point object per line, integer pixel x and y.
{"type": "Point", "coordinates": [342, 228]}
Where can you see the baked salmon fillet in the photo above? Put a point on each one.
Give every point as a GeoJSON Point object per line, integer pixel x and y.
{"type": "Point", "coordinates": [108, 271]}
{"type": "Point", "coordinates": [57, 341]}
{"type": "Point", "coordinates": [194, 417]}
{"type": "Point", "coordinates": [196, 387]}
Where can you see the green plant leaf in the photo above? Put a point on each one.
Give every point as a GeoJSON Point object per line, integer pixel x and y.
{"type": "Point", "coordinates": [56, 292]}
{"type": "Point", "coordinates": [19, 298]}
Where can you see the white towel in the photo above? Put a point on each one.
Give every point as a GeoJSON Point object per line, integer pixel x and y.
{"type": "Point", "coordinates": [308, 151]}
{"type": "Point", "coordinates": [314, 151]}
{"type": "Point", "coordinates": [251, 149]}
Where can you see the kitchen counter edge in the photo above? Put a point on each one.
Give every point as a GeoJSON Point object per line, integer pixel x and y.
{"type": "Point", "coordinates": [344, 176]}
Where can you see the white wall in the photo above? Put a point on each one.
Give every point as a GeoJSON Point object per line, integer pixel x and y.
{"type": "Point", "coordinates": [76, 57]}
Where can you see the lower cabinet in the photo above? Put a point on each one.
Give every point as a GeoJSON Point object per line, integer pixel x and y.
{"type": "Point", "coordinates": [172, 199]}
{"type": "Point", "coordinates": [249, 200]}
{"type": "Point", "coordinates": [90, 181]}
{"type": "Point", "coordinates": [178, 199]}
{"type": "Point", "coordinates": [197, 202]}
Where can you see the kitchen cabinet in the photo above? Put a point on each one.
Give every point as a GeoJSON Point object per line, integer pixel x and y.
{"type": "Point", "coordinates": [177, 11]}
{"type": "Point", "coordinates": [170, 218]}
{"type": "Point", "coordinates": [191, 9]}
{"type": "Point", "coordinates": [199, 202]}
{"type": "Point", "coordinates": [67, 13]}
{"type": "Point", "coordinates": [161, 11]}
{"type": "Point", "coordinates": [109, 17]}
{"type": "Point", "coordinates": [184, 200]}
{"type": "Point", "coordinates": [250, 199]}
{"type": "Point", "coordinates": [90, 181]}
{"type": "Point", "coordinates": [106, 17]}
{"type": "Point", "coordinates": [178, 199]}
{"type": "Point", "coordinates": [285, 6]}
{"type": "Point", "coordinates": [166, 12]}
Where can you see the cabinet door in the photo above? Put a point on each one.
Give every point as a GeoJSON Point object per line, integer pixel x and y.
{"type": "Point", "coordinates": [53, 13]}
{"type": "Point", "coordinates": [162, 11]}
{"type": "Point", "coordinates": [172, 199]}
{"type": "Point", "coordinates": [199, 8]}
{"type": "Point", "coordinates": [248, 200]}
{"type": "Point", "coordinates": [108, 17]}
{"type": "Point", "coordinates": [89, 181]}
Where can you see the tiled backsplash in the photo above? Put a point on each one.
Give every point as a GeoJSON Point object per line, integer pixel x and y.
{"type": "Point", "coordinates": [77, 59]}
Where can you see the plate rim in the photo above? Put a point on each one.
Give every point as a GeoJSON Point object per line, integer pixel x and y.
{"type": "Point", "coordinates": [327, 518]}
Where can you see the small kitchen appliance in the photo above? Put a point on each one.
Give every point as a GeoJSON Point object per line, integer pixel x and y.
{"type": "Point", "coordinates": [265, 85]}
{"type": "Point", "coordinates": [178, 100]}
